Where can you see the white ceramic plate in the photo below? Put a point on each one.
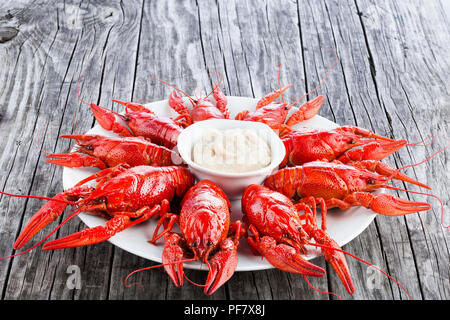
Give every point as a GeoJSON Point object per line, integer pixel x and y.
{"type": "Point", "coordinates": [343, 226]}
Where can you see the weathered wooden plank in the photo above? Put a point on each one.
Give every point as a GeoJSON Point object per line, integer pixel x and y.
{"type": "Point", "coordinates": [351, 95]}
{"type": "Point", "coordinates": [84, 44]}
{"type": "Point", "coordinates": [409, 62]}
{"type": "Point", "coordinates": [261, 60]}
{"type": "Point", "coordinates": [389, 79]}
{"type": "Point", "coordinates": [172, 53]}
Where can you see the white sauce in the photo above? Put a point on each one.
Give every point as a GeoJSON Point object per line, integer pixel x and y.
{"type": "Point", "coordinates": [232, 150]}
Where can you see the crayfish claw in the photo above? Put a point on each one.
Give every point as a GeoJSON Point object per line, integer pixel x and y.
{"type": "Point", "coordinates": [107, 120]}
{"type": "Point", "coordinates": [172, 253]}
{"type": "Point", "coordinates": [47, 214]}
{"type": "Point", "coordinates": [271, 97]}
{"type": "Point", "coordinates": [74, 160]}
{"type": "Point", "coordinates": [286, 258]}
{"type": "Point", "coordinates": [372, 150]}
{"type": "Point", "coordinates": [83, 238]}
{"type": "Point", "coordinates": [387, 171]}
{"type": "Point", "coordinates": [306, 111]}
{"type": "Point", "coordinates": [336, 258]}
{"type": "Point", "coordinates": [90, 235]}
{"type": "Point", "coordinates": [389, 205]}
{"type": "Point", "coordinates": [134, 106]}
{"type": "Point", "coordinates": [221, 266]}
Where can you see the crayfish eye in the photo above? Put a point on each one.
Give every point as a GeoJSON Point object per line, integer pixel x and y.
{"type": "Point", "coordinates": [194, 244]}
{"type": "Point", "coordinates": [371, 181]}
{"type": "Point", "coordinates": [89, 147]}
{"type": "Point", "coordinates": [209, 243]}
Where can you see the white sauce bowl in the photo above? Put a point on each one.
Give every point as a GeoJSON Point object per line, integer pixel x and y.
{"type": "Point", "coordinates": [233, 184]}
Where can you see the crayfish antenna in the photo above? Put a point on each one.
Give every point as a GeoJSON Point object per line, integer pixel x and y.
{"type": "Point", "coordinates": [391, 173]}
{"type": "Point", "coordinates": [387, 171]}
{"type": "Point", "coordinates": [221, 100]}
{"type": "Point", "coordinates": [320, 291]}
{"type": "Point", "coordinates": [179, 90]}
{"type": "Point", "coordinates": [78, 91]}
{"type": "Point", "coordinates": [279, 82]}
{"type": "Point", "coordinates": [319, 85]}
{"type": "Point", "coordinates": [215, 86]}
{"type": "Point", "coordinates": [361, 260]}
{"type": "Point", "coordinates": [153, 267]}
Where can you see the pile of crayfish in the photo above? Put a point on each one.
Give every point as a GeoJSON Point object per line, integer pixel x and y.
{"type": "Point", "coordinates": [139, 180]}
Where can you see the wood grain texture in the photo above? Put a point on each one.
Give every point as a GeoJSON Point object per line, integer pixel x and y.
{"type": "Point", "coordinates": [392, 77]}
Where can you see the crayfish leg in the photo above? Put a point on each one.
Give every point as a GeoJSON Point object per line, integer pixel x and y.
{"type": "Point", "coordinates": [173, 218]}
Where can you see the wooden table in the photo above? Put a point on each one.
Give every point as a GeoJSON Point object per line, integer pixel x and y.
{"type": "Point", "coordinates": [392, 77]}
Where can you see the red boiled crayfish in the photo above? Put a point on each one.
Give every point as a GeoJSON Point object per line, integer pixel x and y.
{"type": "Point", "coordinates": [339, 185]}
{"type": "Point", "coordinates": [274, 114]}
{"type": "Point", "coordinates": [202, 108]}
{"type": "Point", "coordinates": [276, 230]}
{"type": "Point", "coordinates": [124, 195]}
{"type": "Point", "coordinates": [104, 152]}
{"type": "Point", "coordinates": [206, 235]}
{"type": "Point", "coordinates": [346, 144]}
{"type": "Point", "coordinates": [141, 122]}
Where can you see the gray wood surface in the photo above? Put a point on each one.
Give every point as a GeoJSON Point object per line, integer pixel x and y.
{"type": "Point", "coordinates": [392, 77]}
